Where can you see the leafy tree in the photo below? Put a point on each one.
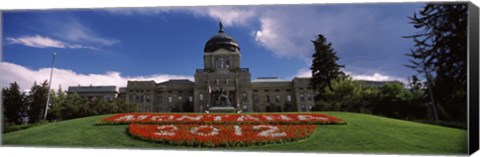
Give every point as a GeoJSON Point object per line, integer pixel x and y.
{"type": "Point", "coordinates": [324, 67]}
{"type": "Point", "coordinates": [343, 94]}
{"type": "Point", "coordinates": [37, 100]}
{"type": "Point", "coordinates": [70, 108]}
{"type": "Point", "coordinates": [58, 104]}
{"type": "Point", "coordinates": [441, 49]}
{"type": "Point", "coordinates": [123, 106]}
{"type": "Point", "coordinates": [13, 103]}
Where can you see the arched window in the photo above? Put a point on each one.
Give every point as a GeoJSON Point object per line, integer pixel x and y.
{"type": "Point", "coordinates": [289, 98]}
{"type": "Point", "coordinates": [170, 99]}
{"type": "Point", "coordinates": [200, 97]}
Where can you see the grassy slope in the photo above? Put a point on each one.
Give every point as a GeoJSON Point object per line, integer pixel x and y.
{"type": "Point", "coordinates": [363, 133]}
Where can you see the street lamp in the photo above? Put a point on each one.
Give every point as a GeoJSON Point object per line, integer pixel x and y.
{"type": "Point", "coordinates": [49, 86]}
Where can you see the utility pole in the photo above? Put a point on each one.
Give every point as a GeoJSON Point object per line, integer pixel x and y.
{"type": "Point", "coordinates": [49, 86]}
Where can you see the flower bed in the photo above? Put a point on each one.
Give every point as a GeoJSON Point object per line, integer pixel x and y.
{"type": "Point", "coordinates": [154, 118]}
{"type": "Point", "coordinates": [214, 130]}
{"type": "Point", "coordinates": [220, 135]}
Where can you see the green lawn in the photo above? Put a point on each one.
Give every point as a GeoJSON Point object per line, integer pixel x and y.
{"type": "Point", "coordinates": [362, 134]}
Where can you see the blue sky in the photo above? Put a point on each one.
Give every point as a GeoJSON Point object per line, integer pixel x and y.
{"type": "Point", "coordinates": [110, 46]}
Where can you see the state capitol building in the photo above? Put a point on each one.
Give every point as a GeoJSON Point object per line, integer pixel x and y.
{"type": "Point", "coordinates": [221, 74]}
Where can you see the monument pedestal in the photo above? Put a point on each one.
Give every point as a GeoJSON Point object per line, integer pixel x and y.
{"type": "Point", "coordinates": [222, 109]}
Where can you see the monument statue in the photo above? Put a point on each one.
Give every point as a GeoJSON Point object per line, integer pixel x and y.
{"type": "Point", "coordinates": [221, 103]}
{"type": "Point", "coordinates": [222, 99]}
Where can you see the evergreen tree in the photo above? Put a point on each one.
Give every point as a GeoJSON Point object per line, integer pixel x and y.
{"type": "Point", "coordinates": [37, 100]}
{"type": "Point", "coordinates": [13, 103]}
{"type": "Point", "coordinates": [324, 66]}
{"type": "Point", "coordinates": [441, 50]}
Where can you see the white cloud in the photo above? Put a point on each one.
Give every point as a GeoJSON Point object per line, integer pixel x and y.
{"type": "Point", "coordinates": [289, 33]}
{"type": "Point", "coordinates": [374, 77]}
{"type": "Point", "coordinates": [74, 31]}
{"type": "Point", "coordinates": [229, 15]}
{"type": "Point", "coordinates": [304, 72]}
{"type": "Point", "coordinates": [25, 77]}
{"type": "Point", "coordinates": [43, 42]}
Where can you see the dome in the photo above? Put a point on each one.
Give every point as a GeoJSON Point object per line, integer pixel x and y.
{"type": "Point", "coordinates": [221, 40]}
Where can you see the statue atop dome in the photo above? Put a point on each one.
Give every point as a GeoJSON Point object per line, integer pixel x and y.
{"type": "Point", "coordinates": [221, 26]}
{"type": "Point", "coordinates": [221, 40]}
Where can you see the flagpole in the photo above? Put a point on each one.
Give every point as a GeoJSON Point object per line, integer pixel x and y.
{"type": "Point", "coordinates": [49, 86]}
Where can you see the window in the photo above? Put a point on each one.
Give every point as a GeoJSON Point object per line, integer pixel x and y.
{"type": "Point", "coordinates": [190, 99]}
{"type": "Point", "coordinates": [309, 97]}
{"type": "Point", "coordinates": [289, 98]}
{"type": "Point", "coordinates": [222, 64]}
{"type": "Point", "coordinates": [244, 97]}
{"type": "Point", "coordinates": [200, 97]}
{"type": "Point", "coordinates": [142, 98]}
{"type": "Point", "coordinates": [159, 108]}
{"type": "Point", "coordinates": [255, 98]}
{"type": "Point", "coordinates": [147, 99]}
{"type": "Point", "coordinates": [170, 99]}
{"type": "Point", "coordinates": [227, 63]}
{"type": "Point", "coordinates": [159, 99]}
{"type": "Point", "coordinates": [227, 81]}
{"type": "Point", "coordinates": [302, 97]}
{"type": "Point", "coordinates": [277, 98]}
{"type": "Point", "coordinates": [277, 90]}
{"type": "Point", "coordinates": [266, 90]}
{"type": "Point", "coordinates": [267, 98]}
{"type": "Point", "coordinates": [217, 82]}
{"type": "Point", "coordinates": [245, 107]}
{"type": "Point", "coordinates": [179, 98]}
{"type": "Point", "coordinates": [255, 90]}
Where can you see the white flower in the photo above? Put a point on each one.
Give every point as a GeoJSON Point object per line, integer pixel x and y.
{"type": "Point", "coordinates": [214, 131]}
{"type": "Point", "coordinates": [269, 132]}
{"type": "Point", "coordinates": [163, 132]}
{"type": "Point", "coordinates": [238, 130]}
